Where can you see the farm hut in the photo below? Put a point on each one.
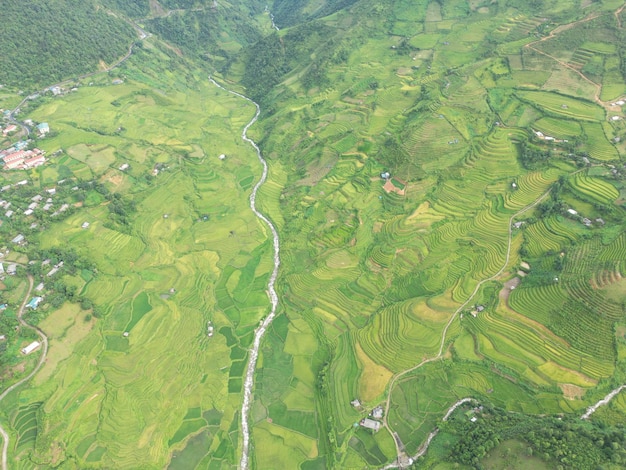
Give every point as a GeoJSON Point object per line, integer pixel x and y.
{"type": "Point", "coordinates": [370, 424]}
{"type": "Point", "coordinates": [572, 211]}
{"type": "Point", "coordinates": [18, 240]}
{"type": "Point", "coordinates": [39, 287]}
{"type": "Point", "coordinates": [85, 225]}
{"type": "Point", "coordinates": [3, 337]}
{"type": "Point", "coordinates": [125, 335]}
{"type": "Point", "coordinates": [356, 403]}
{"type": "Point", "coordinates": [34, 302]}
{"type": "Point", "coordinates": [30, 348]}
{"type": "Point", "coordinates": [43, 128]}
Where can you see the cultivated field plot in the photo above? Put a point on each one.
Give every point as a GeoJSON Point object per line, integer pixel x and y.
{"type": "Point", "coordinates": [448, 190]}
{"type": "Point", "coordinates": [144, 384]}
{"type": "Point", "coordinates": [377, 269]}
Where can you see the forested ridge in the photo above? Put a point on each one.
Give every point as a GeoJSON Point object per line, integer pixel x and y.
{"type": "Point", "coordinates": [44, 42]}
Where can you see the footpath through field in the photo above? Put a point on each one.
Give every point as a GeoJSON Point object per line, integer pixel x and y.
{"type": "Point", "coordinates": [265, 323]}
{"type": "Point", "coordinates": [42, 358]}
{"type": "Point", "coordinates": [605, 104]}
{"type": "Point", "coordinates": [402, 457]}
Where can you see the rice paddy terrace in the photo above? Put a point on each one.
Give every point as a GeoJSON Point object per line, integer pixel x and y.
{"type": "Point", "coordinates": [447, 180]}
{"type": "Point", "coordinates": [375, 271]}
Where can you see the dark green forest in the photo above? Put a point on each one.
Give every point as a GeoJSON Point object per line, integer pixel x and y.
{"type": "Point", "coordinates": [565, 442]}
{"type": "Point", "coordinates": [49, 41]}
{"type": "Point", "coordinates": [131, 8]}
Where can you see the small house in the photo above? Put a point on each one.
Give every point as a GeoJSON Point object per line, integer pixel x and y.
{"type": "Point", "coordinates": [85, 225]}
{"type": "Point", "coordinates": [30, 348]}
{"type": "Point", "coordinates": [18, 240]}
{"type": "Point", "coordinates": [43, 128]}
{"type": "Point", "coordinates": [370, 424]}
{"type": "Point", "coordinates": [34, 302]}
{"type": "Point", "coordinates": [572, 212]}
{"type": "Point", "coordinates": [356, 403]}
{"type": "Point", "coordinates": [39, 287]}
{"type": "Point", "coordinates": [12, 269]}
{"type": "Point", "coordinates": [377, 413]}
{"type": "Point", "coordinates": [124, 167]}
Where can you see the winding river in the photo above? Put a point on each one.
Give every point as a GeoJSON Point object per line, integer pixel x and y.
{"type": "Point", "coordinates": [265, 323]}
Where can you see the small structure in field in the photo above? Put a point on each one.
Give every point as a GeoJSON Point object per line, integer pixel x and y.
{"type": "Point", "coordinates": [34, 302]}
{"type": "Point", "coordinates": [377, 413]}
{"type": "Point", "coordinates": [31, 347]}
{"type": "Point", "coordinates": [370, 424]}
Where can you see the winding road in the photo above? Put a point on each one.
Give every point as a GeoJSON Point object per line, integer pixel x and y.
{"type": "Point", "coordinates": [42, 358]}
{"type": "Point", "coordinates": [401, 455]}
{"type": "Point", "coordinates": [265, 323]}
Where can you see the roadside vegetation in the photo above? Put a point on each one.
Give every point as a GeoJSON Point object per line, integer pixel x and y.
{"type": "Point", "coordinates": [404, 142]}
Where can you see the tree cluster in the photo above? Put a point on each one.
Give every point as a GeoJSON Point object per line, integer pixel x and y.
{"type": "Point", "coordinates": [44, 42]}
{"type": "Point", "coordinates": [566, 442]}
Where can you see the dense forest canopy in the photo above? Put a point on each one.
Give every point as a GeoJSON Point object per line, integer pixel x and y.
{"type": "Point", "coordinates": [49, 41]}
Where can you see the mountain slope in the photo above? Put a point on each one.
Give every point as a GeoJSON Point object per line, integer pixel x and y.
{"type": "Point", "coordinates": [43, 42]}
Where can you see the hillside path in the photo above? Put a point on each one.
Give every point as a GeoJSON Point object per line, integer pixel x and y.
{"type": "Point", "coordinates": [598, 87]}
{"type": "Point", "coordinates": [271, 291]}
{"type": "Point", "coordinates": [402, 457]}
{"type": "Point", "coordinates": [42, 358]}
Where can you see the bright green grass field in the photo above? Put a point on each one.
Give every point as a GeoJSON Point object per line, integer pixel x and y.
{"type": "Point", "coordinates": [124, 402]}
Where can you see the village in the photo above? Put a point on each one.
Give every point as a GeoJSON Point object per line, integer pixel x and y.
{"type": "Point", "coordinates": [23, 155]}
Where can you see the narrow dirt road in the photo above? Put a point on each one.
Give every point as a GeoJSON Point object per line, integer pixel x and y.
{"type": "Point", "coordinates": [42, 358]}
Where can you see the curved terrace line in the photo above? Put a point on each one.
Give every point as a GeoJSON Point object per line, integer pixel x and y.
{"type": "Point", "coordinates": [401, 455]}
{"type": "Point", "coordinates": [265, 323]}
{"type": "Point", "coordinates": [42, 358]}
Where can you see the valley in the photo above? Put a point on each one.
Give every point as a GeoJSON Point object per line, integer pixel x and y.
{"type": "Point", "coordinates": [343, 234]}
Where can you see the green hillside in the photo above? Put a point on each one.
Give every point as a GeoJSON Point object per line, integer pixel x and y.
{"type": "Point", "coordinates": [46, 42]}
{"type": "Point", "coordinates": [447, 182]}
